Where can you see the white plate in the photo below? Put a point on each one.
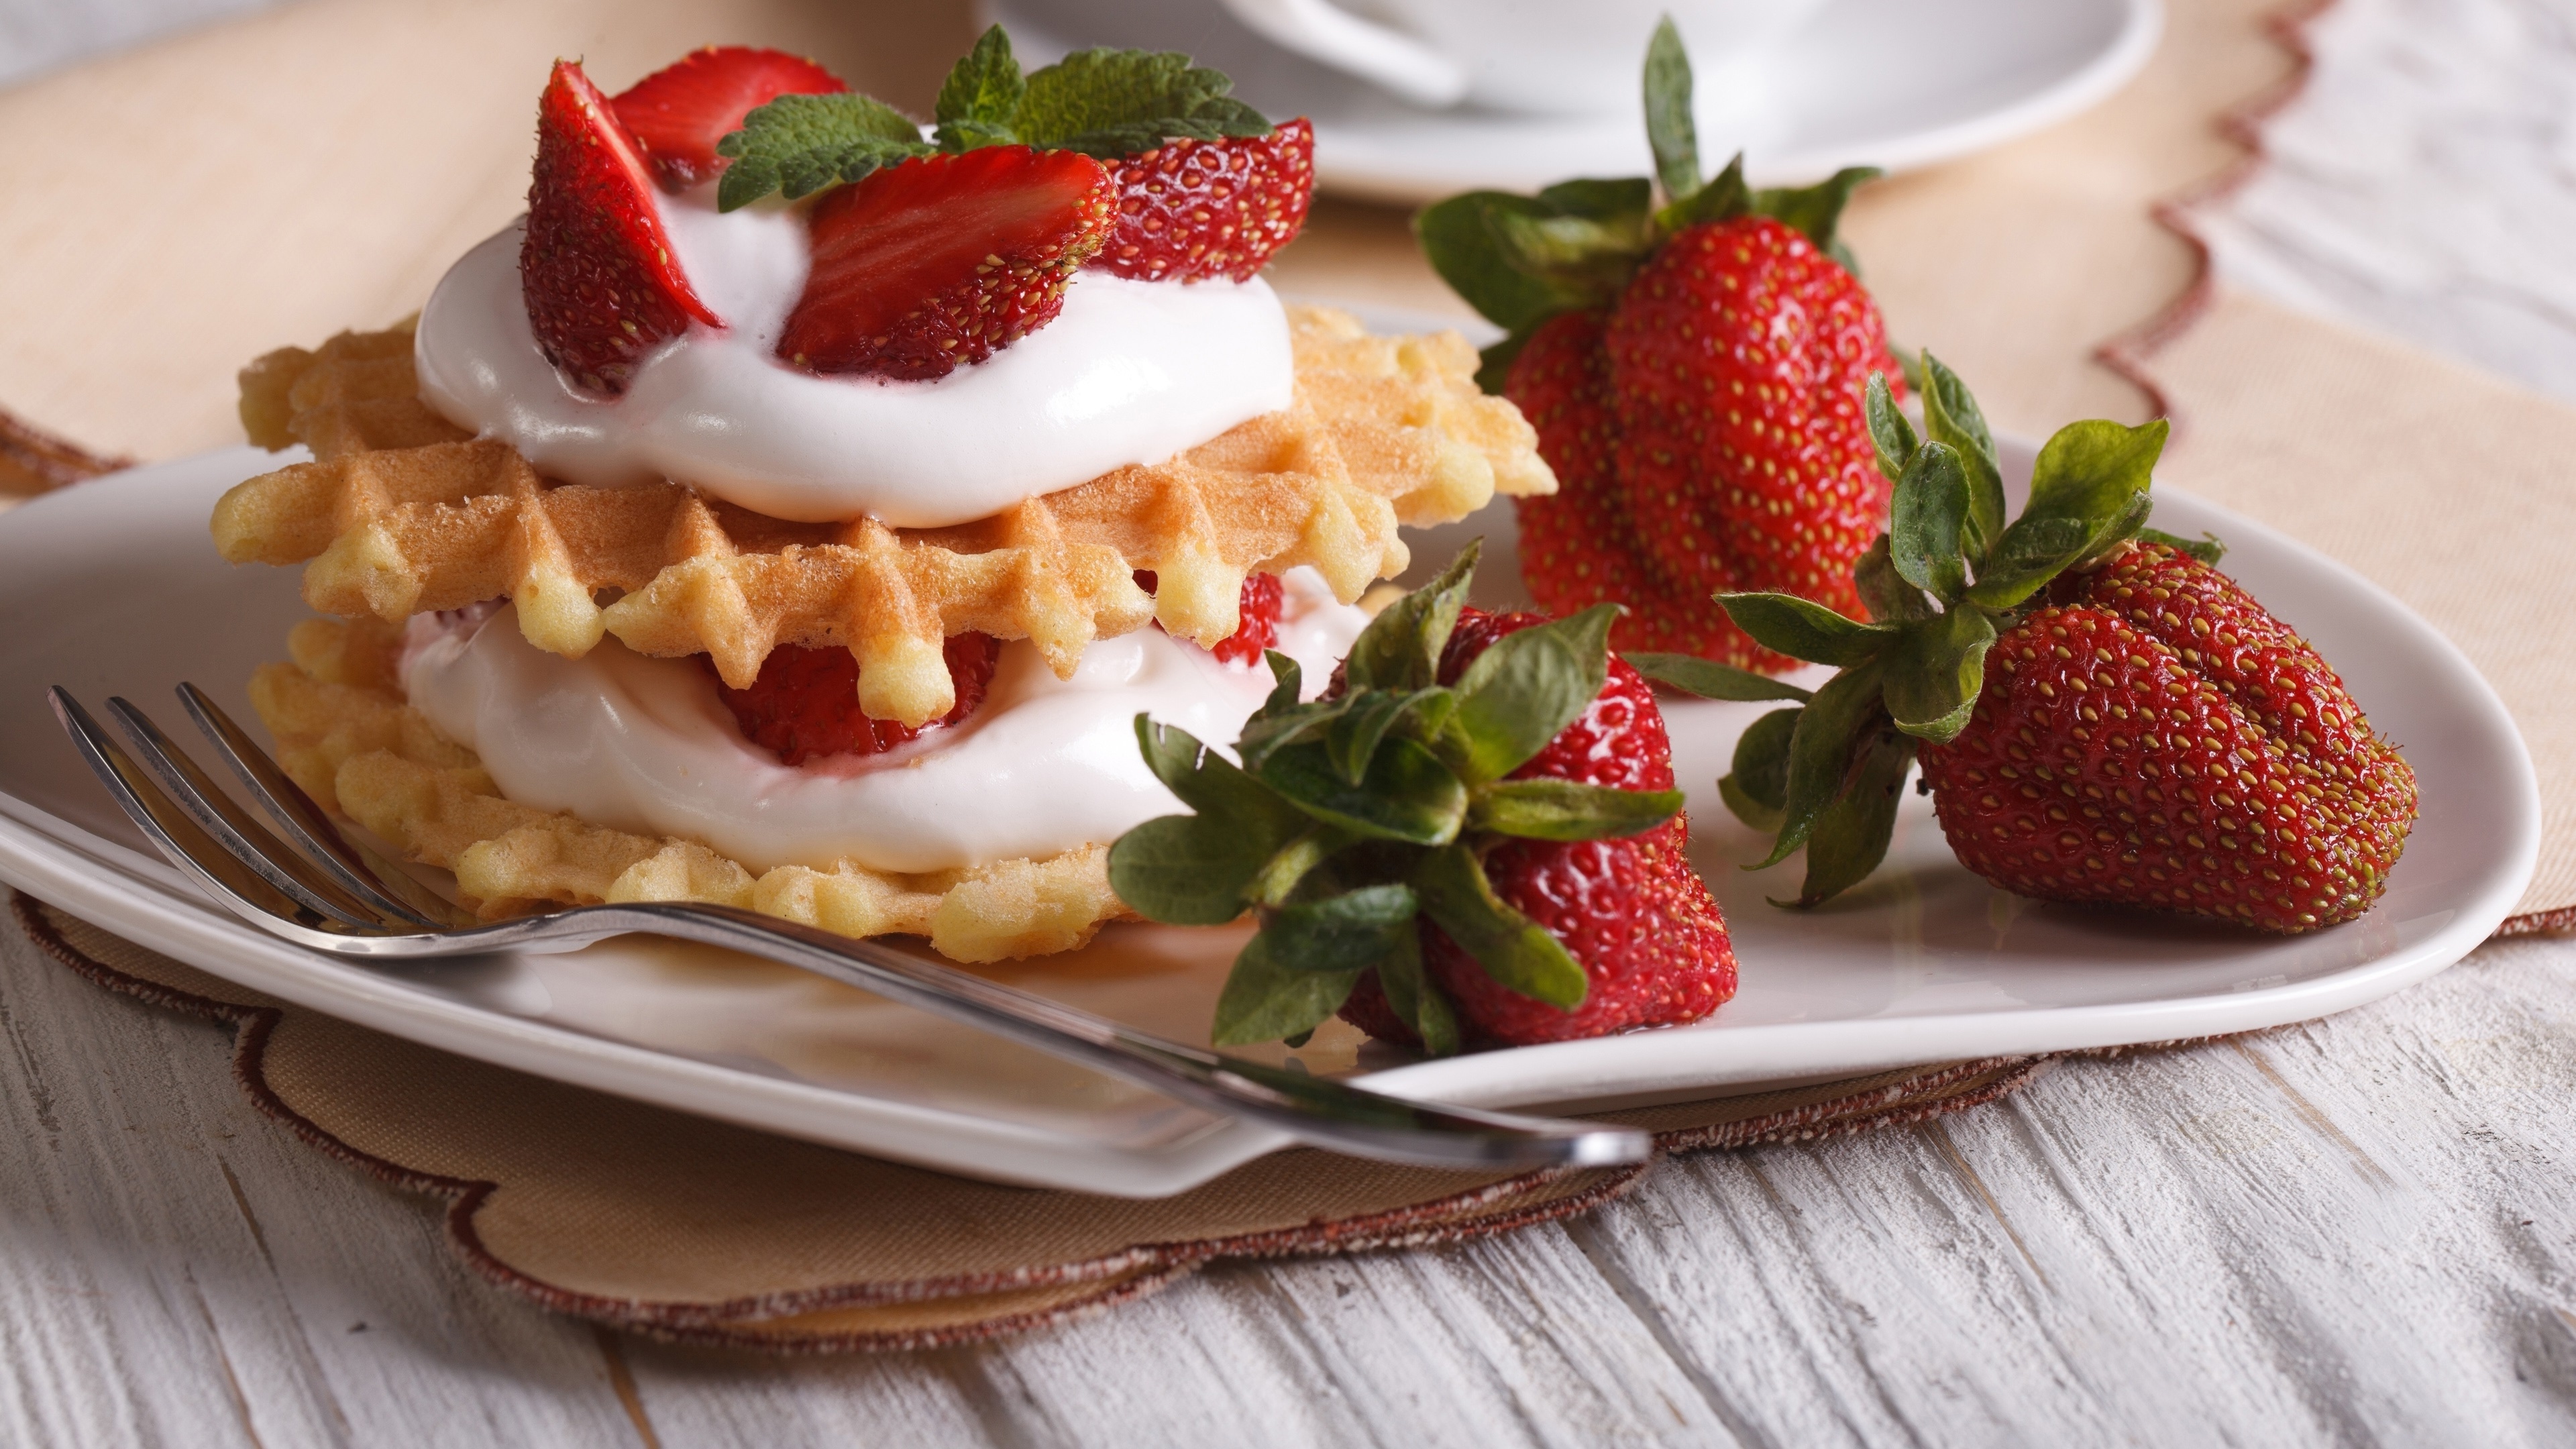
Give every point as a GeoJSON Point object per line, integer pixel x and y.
{"type": "Point", "coordinates": [112, 587]}
{"type": "Point", "coordinates": [1890, 83]}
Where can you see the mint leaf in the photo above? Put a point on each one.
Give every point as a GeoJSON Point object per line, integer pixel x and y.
{"type": "Point", "coordinates": [1347, 932]}
{"type": "Point", "coordinates": [1709, 679]}
{"type": "Point", "coordinates": [797, 145]}
{"type": "Point", "coordinates": [1111, 103]}
{"type": "Point", "coordinates": [1400, 649]}
{"type": "Point", "coordinates": [1406, 795]}
{"type": "Point", "coordinates": [1803, 628]}
{"type": "Point", "coordinates": [1927, 517]}
{"type": "Point", "coordinates": [1670, 127]}
{"type": "Point", "coordinates": [1756, 786]}
{"type": "Point", "coordinates": [1514, 950]}
{"type": "Point", "coordinates": [981, 96]}
{"type": "Point", "coordinates": [1265, 999]}
{"type": "Point", "coordinates": [1524, 689]}
{"type": "Point", "coordinates": [1565, 810]}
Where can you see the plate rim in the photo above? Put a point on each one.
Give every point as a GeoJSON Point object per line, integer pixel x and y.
{"type": "Point", "coordinates": [71, 868]}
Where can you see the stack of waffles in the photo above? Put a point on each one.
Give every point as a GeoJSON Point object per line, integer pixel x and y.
{"type": "Point", "coordinates": [401, 513]}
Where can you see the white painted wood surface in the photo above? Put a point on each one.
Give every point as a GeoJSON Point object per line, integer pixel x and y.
{"type": "Point", "coordinates": [2359, 1231]}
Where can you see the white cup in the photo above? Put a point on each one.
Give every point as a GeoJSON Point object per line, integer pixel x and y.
{"type": "Point", "coordinates": [1547, 57]}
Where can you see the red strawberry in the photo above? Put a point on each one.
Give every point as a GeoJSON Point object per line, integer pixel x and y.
{"type": "Point", "coordinates": [1259, 607]}
{"type": "Point", "coordinates": [2153, 737]}
{"type": "Point", "coordinates": [678, 113]}
{"type": "Point", "coordinates": [941, 261]}
{"type": "Point", "coordinates": [805, 704]}
{"type": "Point", "coordinates": [1577, 546]}
{"type": "Point", "coordinates": [596, 268]}
{"type": "Point", "coordinates": [1631, 910]}
{"type": "Point", "coordinates": [1192, 210]}
{"type": "Point", "coordinates": [1749, 350]}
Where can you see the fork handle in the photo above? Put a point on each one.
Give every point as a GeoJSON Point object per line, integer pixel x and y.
{"type": "Point", "coordinates": [1314, 1110]}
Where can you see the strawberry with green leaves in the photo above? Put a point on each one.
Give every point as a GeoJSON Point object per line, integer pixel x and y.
{"type": "Point", "coordinates": [1471, 839]}
{"type": "Point", "coordinates": [1714, 348]}
{"type": "Point", "coordinates": [2101, 715]}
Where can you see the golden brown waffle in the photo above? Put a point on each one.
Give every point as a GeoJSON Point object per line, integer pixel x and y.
{"type": "Point", "coordinates": [397, 518]}
{"type": "Point", "coordinates": [344, 733]}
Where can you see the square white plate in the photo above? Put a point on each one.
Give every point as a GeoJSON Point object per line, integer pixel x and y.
{"type": "Point", "coordinates": [112, 587]}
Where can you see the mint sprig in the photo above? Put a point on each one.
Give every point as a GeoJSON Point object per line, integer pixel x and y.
{"type": "Point", "coordinates": [1520, 260]}
{"type": "Point", "coordinates": [1103, 103]}
{"type": "Point", "coordinates": [1348, 819]}
{"type": "Point", "coordinates": [1940, 585]}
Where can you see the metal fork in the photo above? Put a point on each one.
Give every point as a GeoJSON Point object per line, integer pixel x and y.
{"type": "Point", "coordinates": [332, 896]}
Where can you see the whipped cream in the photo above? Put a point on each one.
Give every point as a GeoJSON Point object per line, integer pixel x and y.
{"type": "Point", "coordinates": [1044, 766]}
{"type": "Point", "coordinates": [1129, 372]}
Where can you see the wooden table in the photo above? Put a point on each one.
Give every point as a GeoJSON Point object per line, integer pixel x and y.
{"type": "Point", "coordinates": [2358, 1230]}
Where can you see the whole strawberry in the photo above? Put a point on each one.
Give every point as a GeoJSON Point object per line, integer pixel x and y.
{"type": "Point", "coordinates": [601, 282]}
{"type": "Point", "coordinates": [2101, 715]}
{"type": "Point", "coordinates": [2200, 757]}
{"type": "Point", "coordinates": [1649, 936]}
{"type": "Point", "coordinates": [1470, 839]}
{"type": "Point", "coordinates": [1695, 371]}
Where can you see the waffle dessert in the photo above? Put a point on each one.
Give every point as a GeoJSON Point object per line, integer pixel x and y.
{"type": "Point", "coordinates": [834, 709]}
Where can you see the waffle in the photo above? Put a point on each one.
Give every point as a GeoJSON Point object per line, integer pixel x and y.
{"type": "Point", "coordinates": [345, 735]}
{"type": "Point", "coordinates": [396, 516]}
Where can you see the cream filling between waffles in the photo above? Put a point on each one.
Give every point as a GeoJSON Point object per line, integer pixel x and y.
{"type": "Point", "coordinates": [1045, 765]}
{"type": "Point", "coordinates": [1130, 373]}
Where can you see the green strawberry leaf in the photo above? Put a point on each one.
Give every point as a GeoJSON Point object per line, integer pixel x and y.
{"type": "Point", "coordinates": [1584, 260]}
{"type": "Point", "coordinates": [1209, 783]}
{"type": "Point", "coordinates": [2094, 471]}
{"type": "Point", "coordinates": [1927, 516]}
{"type": "Point", "coordinates": [1459, 239]}
{"type": "Point", "coordinates": [1112, 103]}
{"type": "Point", "coordinates": [2206, 548]}
{"type": "Point", "coordinates": [1494, 360]}
{"type": "Point", "coordinates": [1756, 786]}
{"type": "Point", "coordinates": [1889, 433]}
{"type": "Point", "coordinates": [1830, 733]}
{"type": "Point", "coordinates": [1724, 198]}
{"type": "Point", "coordinates": [1291, 683]}
{"type": "Point", "coordinates": [1804, 629]}
{"type": "Point", "coordinates": [1565, 810]}
{"type": "Point", "coordinates": [1514, 950]}
{"type": "Point", "coordinates": [1400, 648]}
{"type": "Point", "coordinates": [1351, 740]}
{"type": "Point", "coordinates": [1265, 999]}
{"type": "Point", "coordinates": [1936, 671]}
{"type": "Point", "coordinates": [1851, 835]}
{"type": "Point", "coordinates": [1951, 415]}
{"type": "Point", "coordinates": [1670, 128]}
{"type": "Point", "coordinates": [1628, 201]}
{"type": "Point", "coordinates": [1407, 794]}
{"type": "Point", "coordinates": [1817, 210]}
{"type": "Point", "coordinates": [1709, 679]}
{"type": "Point", "coordinates": [1270, 730]}
{"type": "Point", "coordinates": [1526, 688]}
{"type": "Point", "coordinates": [1888, 599]}
{"type": "Point", "coordinates": [1414, 999]}
{"type": "Point", "coordinates": [797, 145]}
{"type": "Point", "coordinates": [981, 96]}
{"type": "Point", "coordinates": [1187, 870]}
{"type": "Point", "coordinates": [1347, 932]}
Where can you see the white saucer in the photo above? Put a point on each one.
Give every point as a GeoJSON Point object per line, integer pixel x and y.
{"type": "Point", "coordinates": [1889, 83]}
{"type": "Point", "coordinates": [112, 587]}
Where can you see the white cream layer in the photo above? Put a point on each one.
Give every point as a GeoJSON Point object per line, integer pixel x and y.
{"type": "Point", "coordinates": [1044, 766]}
{"type": "Point", "coordinates": [1130, 372]}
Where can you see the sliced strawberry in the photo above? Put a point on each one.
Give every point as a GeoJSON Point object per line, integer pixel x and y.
{"type": "Point", "coordinates": [805, 704]}
{"type": "Point", "coordinates": [678, 113]}
{"type": "Point", "coordinates": [1259, 608]}
{"type": "Point", "coordinates": [1189, 211]}
{"type": "Point", "coordinates": [942, 261]}
{"type": "Point", "coordinates": [596, 268]}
